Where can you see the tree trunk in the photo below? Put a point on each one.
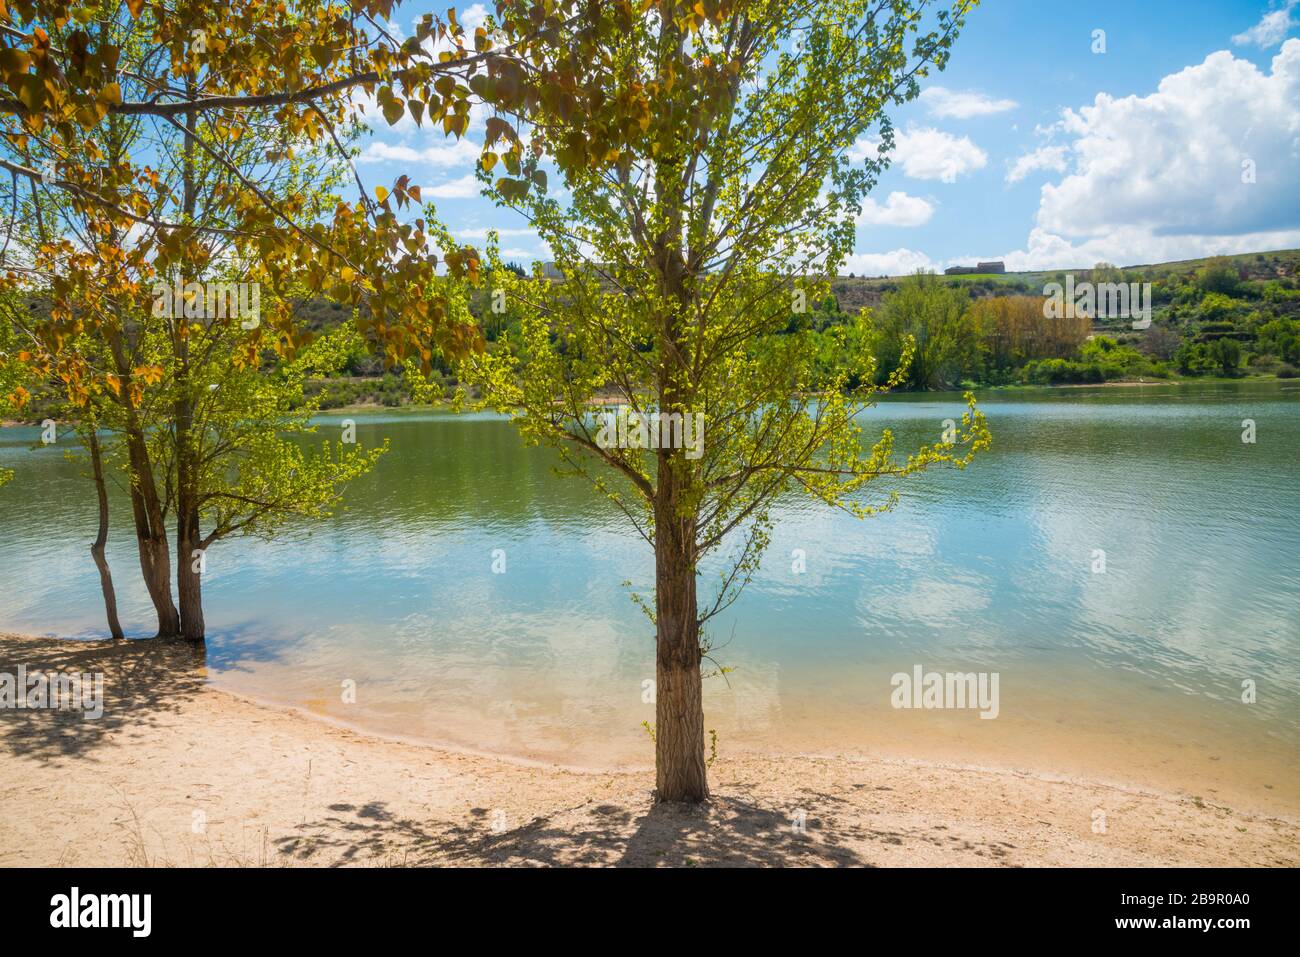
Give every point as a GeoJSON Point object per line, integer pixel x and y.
{"type": "Point", "coordinates": [680, 773]}
{"type": "Point", "coordinates": [101, 538]}
{"type": "Point", "coordinates": [188, 539]}
{"type": "Point", "coordinates": [151, 536]}
{"type": "Point", "coordinates": [146, 507]}
{"type": "Point", "coordinates": [189, 581]}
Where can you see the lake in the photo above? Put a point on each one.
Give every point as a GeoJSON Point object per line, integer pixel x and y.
{"type": "Point", "coordinates": [1133, 674]}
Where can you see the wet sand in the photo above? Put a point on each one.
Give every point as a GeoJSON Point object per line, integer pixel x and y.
{"type": "Point", "coordinates": [1109, 727]}
{"type": "Point", "coordinates": [179, 773]}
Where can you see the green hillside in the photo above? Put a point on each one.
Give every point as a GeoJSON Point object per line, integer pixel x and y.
{"type": "Point", "coordinates": [1234, 316]}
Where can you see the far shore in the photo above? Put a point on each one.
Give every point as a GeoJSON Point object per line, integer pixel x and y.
{"type": "Point", "coordinates": [446, 405]}
{"type": "Point", "coordinates": [176, 772]}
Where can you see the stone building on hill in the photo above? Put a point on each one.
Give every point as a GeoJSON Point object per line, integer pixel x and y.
{"type": "Point", "coordinates": [985, 267]}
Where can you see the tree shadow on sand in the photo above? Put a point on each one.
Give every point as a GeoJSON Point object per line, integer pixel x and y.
{"type": "Point", "coordinates": [727, 832]}
{"type": "Point", "coordinates": [142, 681]}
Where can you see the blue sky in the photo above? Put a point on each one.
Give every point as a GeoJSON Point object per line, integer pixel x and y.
{"type": "Point", "coordinates": [1181, 139]}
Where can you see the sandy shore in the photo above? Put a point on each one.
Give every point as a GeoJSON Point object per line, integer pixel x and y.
{"type": "Point", "coordinates": [177, 773]}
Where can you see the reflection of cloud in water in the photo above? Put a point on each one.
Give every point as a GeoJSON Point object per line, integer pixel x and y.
{"type": "Point", "coordinates": [925, 602]}
{"type": "Point", "coordinates": [988, 568]}
{"type": "Point", "coordinates": [1199, 623]}
{"type": "Point", "coordinates": [837, 544]}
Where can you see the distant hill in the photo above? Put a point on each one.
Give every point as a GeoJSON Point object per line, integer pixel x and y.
{"type": "Point", "coordinates": [853, 293]}
{"type": "Point", "coordinates": [1252, 299]}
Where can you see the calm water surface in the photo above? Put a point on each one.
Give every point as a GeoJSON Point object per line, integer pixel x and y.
{"type": "Point", "coordinates": [1133, 675]}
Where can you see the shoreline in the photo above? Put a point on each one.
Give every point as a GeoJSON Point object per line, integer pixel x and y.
{"type": "Point", "coordinates": [446, 405]}
{"type": "Point", "coordinates": [919, 752]}
{"type": "Point", "coordinates": [181, 773]}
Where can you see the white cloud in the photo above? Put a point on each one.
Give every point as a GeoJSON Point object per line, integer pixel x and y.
{"type": "Point", "coordinates": [1156, 178]}
{"type": "Point", "coordinates": [1136, 246]}
{"type": "Point", "coordinates": [962, 104]}
{"type": "Point", "coordinates": [1271, 29]}
{"type": "Point", "coordinates": [898, 262]}
{"type": "Point", "coordinates": [518, 252]}
{"type": "Point", "coordinates": [1172, 162]}
{"type": "Point", "coordinates": [452, 153]}
{"type": "Point", "coordinates": [899, 209]}
{"type": "Point", "coordinates": [467, 187]}
{"type": "Point", "coordinates": [472, 16]}
{"type": "Point", "coordinates": [480, 232]}
{"type": "Point", "coordinates": [1045, 157]}
{"type": "Point", "coordinates": [927, 153]}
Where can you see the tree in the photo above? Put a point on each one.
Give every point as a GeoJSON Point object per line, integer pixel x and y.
{"type": "Point", "coordinates": [1161, 341]}
{"type": "Point", "coordinates": [1218, 307]}
{"type": "Point", "coordinates": [84, 80]}
{"type": "Point", "coordinates": [15, 377]}
{"type": "Point", "coordinates": [76, 72]}
{"type": "Point", "coordinates": [1191, 358]}
{"type": "Point", "coordinates": [1281, 337]}
{"type": "Point", "coordinates": [1218, 275]}
{"type": "Point", "coordinates": [709, 190]}
{"type": "Point", "coordinates": [932, 314]}
{"type": "Point", "coordinates": [1224, 353]}
{"type": "Point", "coordinates": [73, 283]}
{"type": "Point", "coordinates": [229, 444]}
{"type": "Point", "coordinates": [248, 469]}
{"type": "Point", "coordinates": [1014, 330]}
{"type": "Point", "coordinates": [1104, 272]}
{"type": "Point", "coordinates": [216, 208]}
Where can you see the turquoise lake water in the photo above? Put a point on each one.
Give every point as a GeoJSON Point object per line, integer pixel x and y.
{"type": "Point", "coordinates": [1134, 674]}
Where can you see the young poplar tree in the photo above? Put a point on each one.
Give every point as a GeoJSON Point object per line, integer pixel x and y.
{"type": "Point", "coordinates": [243, 460]}
{"type": "Point", "coordinates": [705, 151]}
{"type": "Point", "coordinates": [88, 93]}
{"type": "Point", "coordinates": [933, 315]}
{"type": "Point", "coordinates": [231, 431]}
{"type": "Point", "coordinates": [210, 440]}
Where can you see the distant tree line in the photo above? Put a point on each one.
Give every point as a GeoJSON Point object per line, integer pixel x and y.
{"type": "Point", "coordinates": [1219, 318]}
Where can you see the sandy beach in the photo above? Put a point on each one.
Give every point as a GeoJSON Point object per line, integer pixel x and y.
{"type": "Point", "coordinates": [177, 773]}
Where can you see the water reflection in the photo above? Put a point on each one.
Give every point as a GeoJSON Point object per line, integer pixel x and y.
{"type": "Point", "coordinates": [989, 569]}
